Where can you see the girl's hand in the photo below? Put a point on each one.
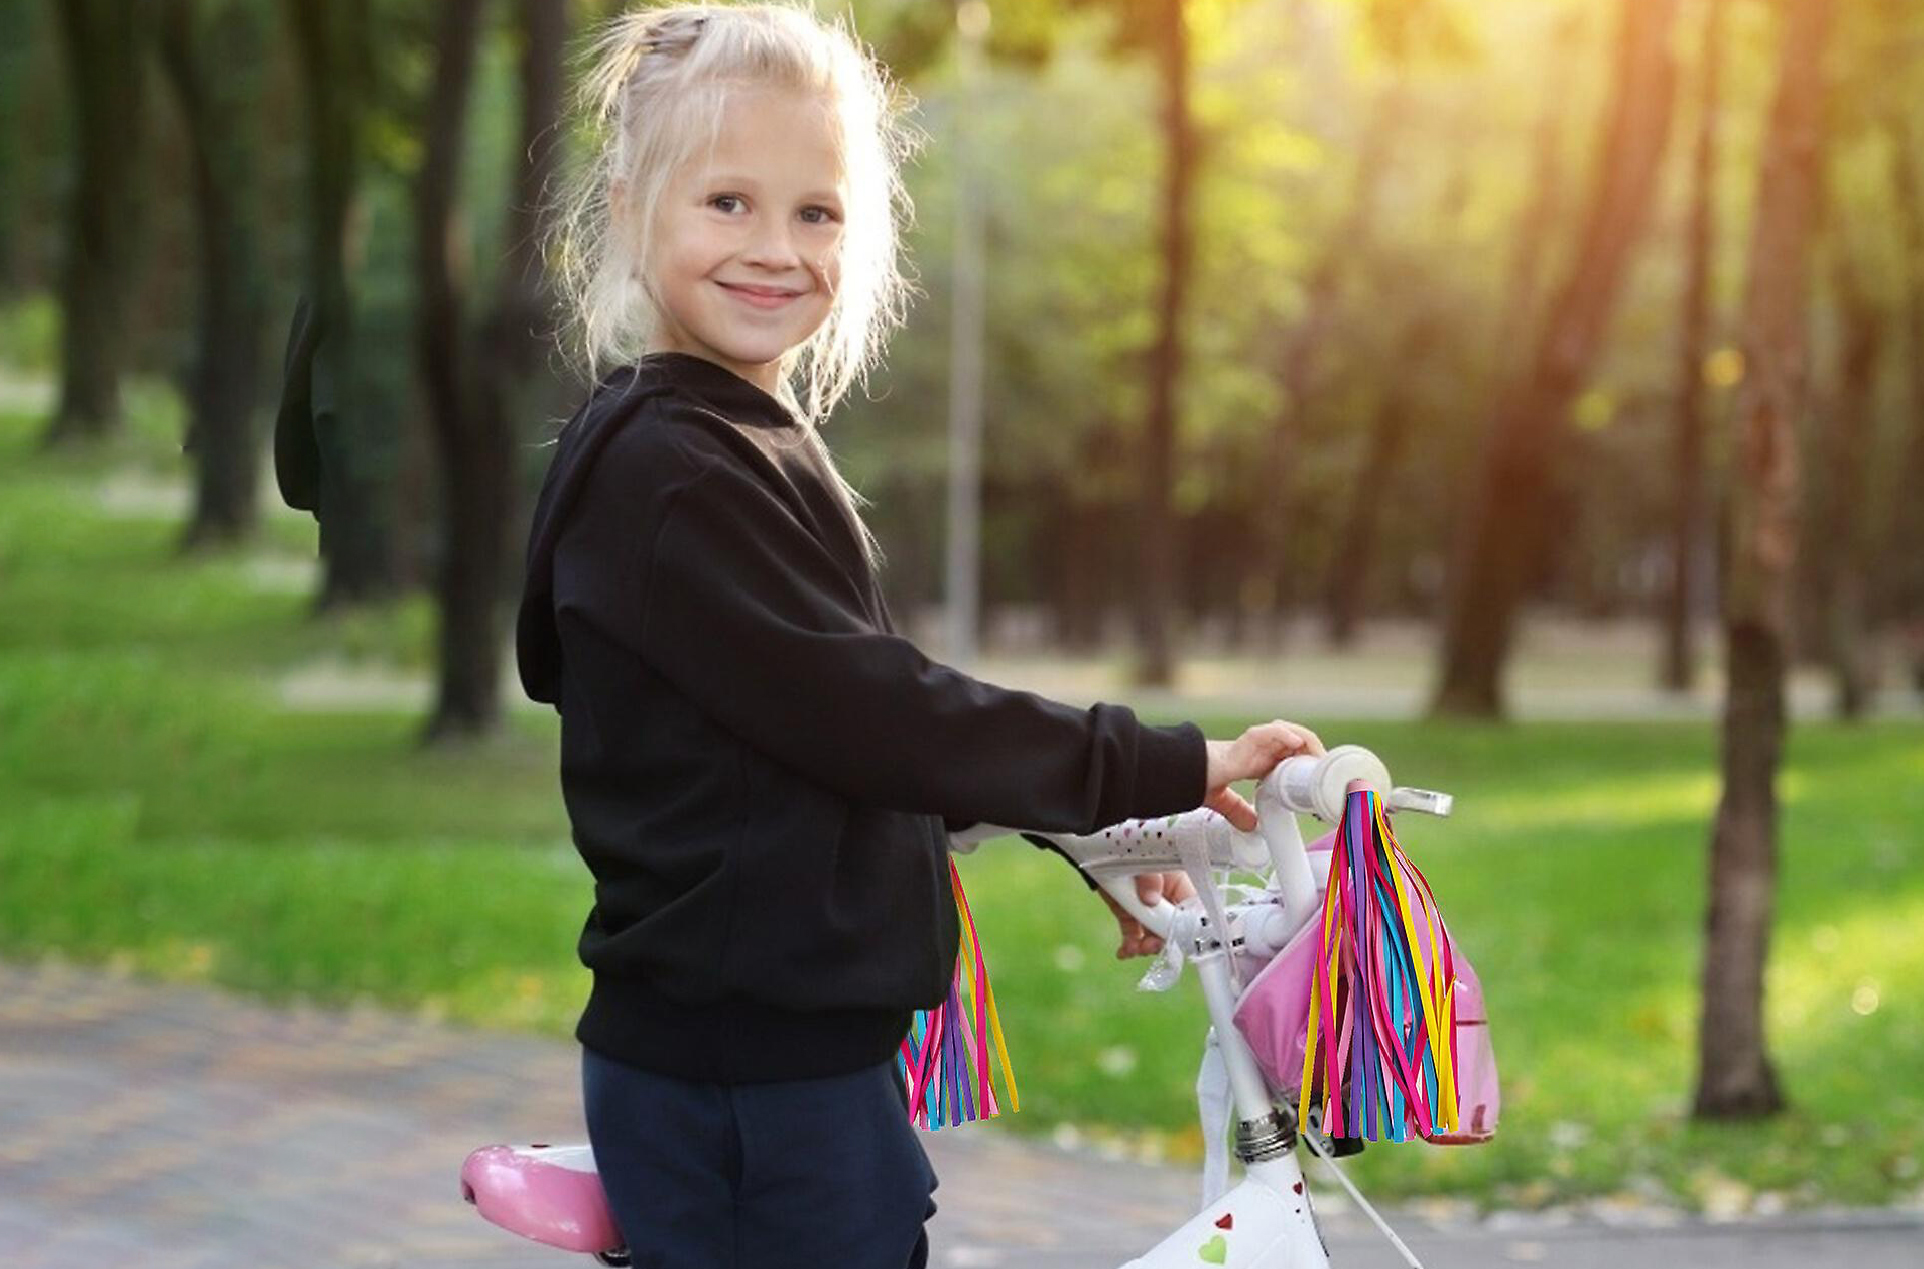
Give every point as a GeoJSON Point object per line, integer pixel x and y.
{"type": "Point", "coordinates": [1250, 757]}
{"type": "Point", "coordinates": [1137, 941]}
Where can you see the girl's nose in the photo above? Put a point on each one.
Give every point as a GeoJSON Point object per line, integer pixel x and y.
{"type": "Point", "coordinates": [772, 244]}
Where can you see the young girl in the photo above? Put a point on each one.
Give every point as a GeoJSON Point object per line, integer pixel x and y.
{"type": "Point", "coordinates": [760, 772]}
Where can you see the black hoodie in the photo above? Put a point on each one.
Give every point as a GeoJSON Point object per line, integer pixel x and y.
{"type": "Point", "coordinates": [759, 771]}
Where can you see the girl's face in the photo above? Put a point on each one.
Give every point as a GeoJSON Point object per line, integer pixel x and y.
{"type": "Point", "coordinates": [747, 249]}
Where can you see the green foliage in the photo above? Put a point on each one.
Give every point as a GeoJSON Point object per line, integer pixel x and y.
{"type": "Point", "coordinates": [1406, 30]}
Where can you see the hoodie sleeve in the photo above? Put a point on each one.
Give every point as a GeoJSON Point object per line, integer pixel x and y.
{"type": "Point", "coordinates": [748, 614]}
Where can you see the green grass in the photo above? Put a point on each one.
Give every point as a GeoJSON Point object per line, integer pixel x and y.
{"type": "Point", "coordinates": [162, 812]}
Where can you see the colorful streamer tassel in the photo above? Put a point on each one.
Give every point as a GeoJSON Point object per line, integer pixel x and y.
{"type": "Point", "coordinates": [1381, 992]}
{"type": "Point", "coordinates": [945, 1056]}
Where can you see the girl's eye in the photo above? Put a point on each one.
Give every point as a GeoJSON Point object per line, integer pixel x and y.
{"type": "Point", "coordinates": [827, 217]}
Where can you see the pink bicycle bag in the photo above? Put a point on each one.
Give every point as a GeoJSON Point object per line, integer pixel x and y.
{"type": "Point", "coordinates": [1273, 1016]}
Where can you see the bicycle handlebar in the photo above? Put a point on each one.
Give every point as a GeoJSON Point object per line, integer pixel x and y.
{"type": "Point", "coordinates": [1313, 784]}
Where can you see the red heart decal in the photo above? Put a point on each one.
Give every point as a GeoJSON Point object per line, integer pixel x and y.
{"type": "Point", "coordinates": [1226, 1221]}
{"type": "Point", "coordinates": [1298, 1187]}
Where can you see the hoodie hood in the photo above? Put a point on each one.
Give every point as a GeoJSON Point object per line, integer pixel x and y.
{"type": "Point", "coordinates": [537, 642]}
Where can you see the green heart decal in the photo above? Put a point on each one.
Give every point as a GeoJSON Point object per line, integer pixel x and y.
{"type": "Point", "coordinates": [1215, 1251]}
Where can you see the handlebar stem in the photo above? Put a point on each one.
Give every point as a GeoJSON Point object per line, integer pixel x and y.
{"type": "Point", "coordinates": [1287, 853]}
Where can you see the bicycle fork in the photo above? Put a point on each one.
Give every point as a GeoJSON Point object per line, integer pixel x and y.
{"type": "Point", "coordinates": [1265, 1221]}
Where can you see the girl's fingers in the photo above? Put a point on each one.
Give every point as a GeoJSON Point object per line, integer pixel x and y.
{"type": "Point", "coordinates": [1298, 738]}
{"type": "Point", "coordinates": [1269, 743]}
{"type": "Point", "coordinates": [1233, 807]}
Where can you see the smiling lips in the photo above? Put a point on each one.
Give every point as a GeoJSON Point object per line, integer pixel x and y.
{"type": "Point", "coordinates": [760, 296]}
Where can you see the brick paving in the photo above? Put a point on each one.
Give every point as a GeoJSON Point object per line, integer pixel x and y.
{"type": "Point", "coordinates": [177, 1127]}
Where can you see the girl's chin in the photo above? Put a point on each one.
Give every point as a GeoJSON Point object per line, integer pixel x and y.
{"type": "Point", "coordinates": [760, 347]}
{"type": "Point", "coordinates": [754, 354]}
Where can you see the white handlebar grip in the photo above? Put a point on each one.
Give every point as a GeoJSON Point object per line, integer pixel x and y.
{"type": "Point", "coordinates": [1158, 920]}
{"type": "Point", "coordinates": [1319, 786]}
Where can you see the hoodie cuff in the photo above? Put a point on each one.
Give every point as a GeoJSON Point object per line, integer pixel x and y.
{"type": "Point", "coordinates": [1043, 843]}
{"type": "Point", "coordinates": [1172, 770]}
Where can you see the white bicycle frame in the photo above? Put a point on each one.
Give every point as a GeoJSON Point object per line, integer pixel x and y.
{"type": "Point", "coordinates": [1266, 1221]}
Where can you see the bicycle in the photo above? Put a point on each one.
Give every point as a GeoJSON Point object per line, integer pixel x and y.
{"type": "Point", "coordinates": [551, 1193]}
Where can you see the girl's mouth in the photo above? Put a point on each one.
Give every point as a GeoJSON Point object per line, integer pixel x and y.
{"type": "Point", "coordinates": [760, 299]}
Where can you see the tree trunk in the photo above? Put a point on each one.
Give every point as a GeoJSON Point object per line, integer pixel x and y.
{"type": "Point", "coordinates": [212, 57]}
{"type": "Point", "coordinates": [19, 45]}
{"type": "Point", "coordinates": [1508, 517]}
{"type": "Point", "coordinates": [475, 390]}
{"type": "Point", "coordinates": [1679, 661]}
{"type": "Point", "coordinates": [467, 702]}
{"type": "Point", "coordinates": [1734, 1076]}
{"type": "Point", "coordinates": [1348, 580]}
{"type": "Point", "coordinates": [353, 503]}
{"type": "Point", "coordinates": [106, 48]}
{"type": "Point", "coordinates": [1155, 597]}
{"type": "Point", "coordinates": [1904, 599]}
{"type": "Point", "coordinates": [512, 383]}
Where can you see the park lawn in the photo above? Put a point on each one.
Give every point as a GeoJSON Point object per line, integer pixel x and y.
{"type": "Point", "coordinates": [165, 814]}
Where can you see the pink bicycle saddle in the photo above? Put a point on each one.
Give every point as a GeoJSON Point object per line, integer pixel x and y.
{"type": "Point", "coordinates": [551, 1194]}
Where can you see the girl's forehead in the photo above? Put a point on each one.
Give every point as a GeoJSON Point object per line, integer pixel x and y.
{"type": "Point", "coordinates": [775, 136]}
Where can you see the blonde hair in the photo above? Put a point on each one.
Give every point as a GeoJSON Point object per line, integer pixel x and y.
{"type": "Point", "coordinates": [649, 97]}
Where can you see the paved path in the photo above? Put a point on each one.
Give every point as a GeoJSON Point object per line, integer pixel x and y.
{"type": "Point", "coordinates": [170, 1127]}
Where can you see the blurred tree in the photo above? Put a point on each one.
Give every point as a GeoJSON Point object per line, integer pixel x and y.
{"type": "Point", "coordinates": [1905, 563]}
{"type": "Point", "coordinates": [1734, 1076]}
{"type": "Point", "coordinates": [1307, 342]}
{"type": "Point", "coordinates": [1346, 579]}
{"type": "Point", "coordinates": [1841, 590]}
{"type": "Point", "coordinates": [1507, 515]}
{"type": "Point", "coordinates": [1838, 554]}
{"type": "Point", "coordinates": [1170, 42]}
{"type": "Point", "coordinates": [213, 52]}
{"type": "Point", "coordinates": [1400, 406]}
{"type": "Point", "coordinates": [912, 36]}
{"type": "Point", "coordinates": [1159, 26]}
{"type": "Point", "coordinates": [1070, 293]}
{"type": "Point", "coordinates": [106, 46]}
{"type": "Point", "coordinates": [476, 372]}
{"type": "Point", "coordinates": [351, 497]}
{"type": "Point", "coordinates": [474, 458]}
{"type": "Point", "coordinates": [1522, 292]}
{"type": "Point", "coordinates": [19, 31]}
{"type": "Point", "coordinates": [1679, 660]}
{"type": "Point", "coordinates": [512, 382]}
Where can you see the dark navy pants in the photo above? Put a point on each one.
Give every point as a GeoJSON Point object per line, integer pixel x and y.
{"type": "Point", "coordinates": [760, 1176]}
